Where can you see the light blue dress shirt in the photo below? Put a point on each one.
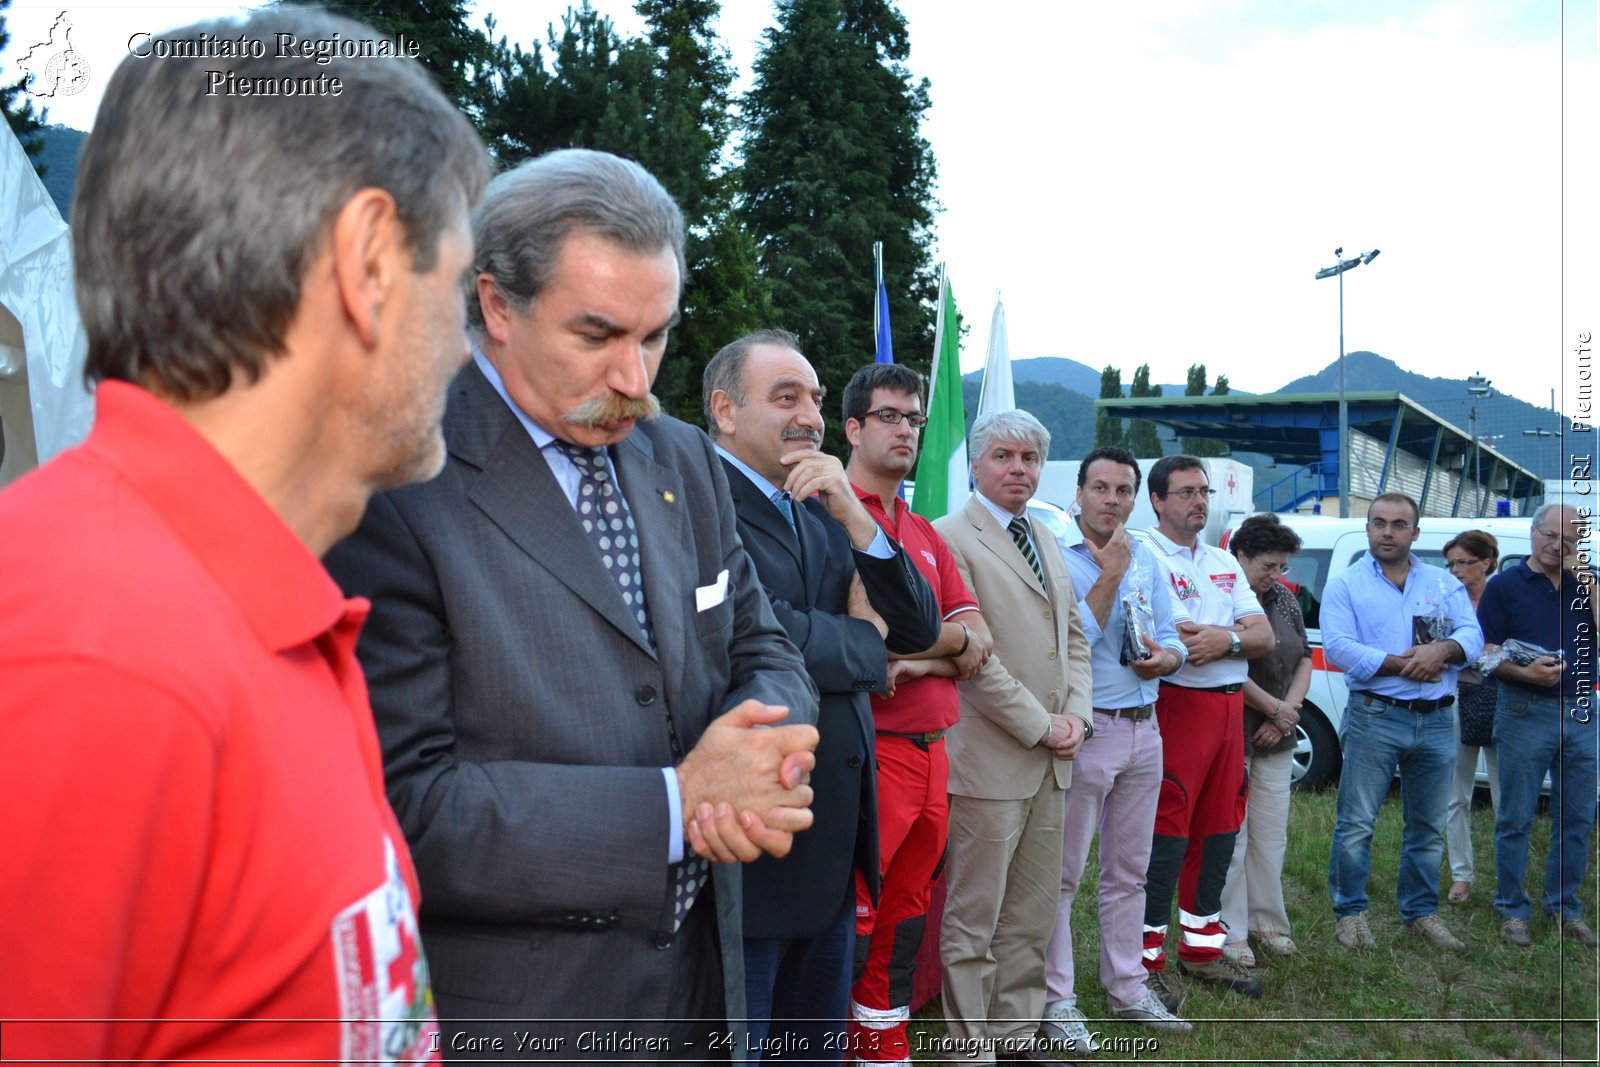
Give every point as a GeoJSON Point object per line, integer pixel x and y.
{"type": "Point", "coordinates": [1115, 685]}
{"type": "Point", "coordinates": [1365, 617]}
{"type": "Point", "coordinates": [879, 548]}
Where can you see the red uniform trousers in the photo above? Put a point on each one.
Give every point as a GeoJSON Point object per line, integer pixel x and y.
{"type": "Point", "coordinates": [913, 826]}
{"type": "Point", "coordinates": [1203, 797]}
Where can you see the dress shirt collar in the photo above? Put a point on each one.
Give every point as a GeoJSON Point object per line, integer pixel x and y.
{"type": "Point", "coordinates": [542, 437]}
{"type": "Point", "coordinates": [1001, 515]}
{"type": "Point", "coordinates": [760, 483]}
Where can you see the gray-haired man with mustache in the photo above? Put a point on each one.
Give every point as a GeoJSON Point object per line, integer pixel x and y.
{"type": "Point", "coordinates": [569, 653]}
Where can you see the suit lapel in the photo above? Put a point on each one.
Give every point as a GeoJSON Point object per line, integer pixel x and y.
{"type": "Point", "coordinates": [516, 490]}
{"type": "Point", "coordinates": [666, 542]}
{"type": "Point", "coordinates": [759, 512]}
{"type": "Point", "coordinates": [997, 539]}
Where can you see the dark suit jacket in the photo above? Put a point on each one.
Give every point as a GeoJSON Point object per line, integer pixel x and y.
{"type": "Point", "coordinates": [807, 578]}
{"type": "Point", "coordinates": [524, 721]}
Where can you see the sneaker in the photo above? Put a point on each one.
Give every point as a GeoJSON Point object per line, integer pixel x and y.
{"type": "Point", "coordinates": [1150, 1012]}
{"type": "Point", "coordinates": [1354, 933]}
{"type": "Point", "coordinates": [1222, 972]}
{"type": "Point", "coordinates": [1516, 931]}
{"type": "Point", "coordinates": [1579, 931]}
{"type": "Point", "coordinates": [1064, 1024]}
{"type": "Point", "coordinates": [1170, 998]}
{"type": "Point", "coordinates": [1432, 929]}
{"type": "Point", "coordinates": [1277, 944]}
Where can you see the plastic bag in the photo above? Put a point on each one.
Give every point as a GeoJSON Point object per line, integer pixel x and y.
{"type": "Point", "coordinates": [1433, 624]}
{"type": "Point", "coordinates": [1138, 617]}
{"type": "Point", "coordinates": [1521, 653]}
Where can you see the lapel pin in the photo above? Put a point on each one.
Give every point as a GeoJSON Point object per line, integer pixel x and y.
{"type": "Point", "coordinates": [666, 494]}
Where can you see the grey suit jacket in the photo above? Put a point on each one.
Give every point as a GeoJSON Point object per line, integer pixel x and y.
{"type": "Point", "coordinates": [524, 720]}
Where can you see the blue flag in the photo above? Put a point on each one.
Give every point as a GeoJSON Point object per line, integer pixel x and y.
{"type": "Point", "coordinates": [880, 315]}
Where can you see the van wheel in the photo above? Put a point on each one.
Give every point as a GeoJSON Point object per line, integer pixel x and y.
{"type": "Point", "coordinates": [1316, 752]}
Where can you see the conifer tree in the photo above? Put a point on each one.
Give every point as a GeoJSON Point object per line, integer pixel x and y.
{"type": "Point", "coordinates": [1142, 440]}
{"type": "Point", "coordinates": [25, 122]}
{"type": "Point", "coordinates": [1108, 431]}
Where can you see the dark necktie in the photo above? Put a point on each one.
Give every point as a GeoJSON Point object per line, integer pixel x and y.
{"type": "Point", "coordinates": [785, 505]}
{"type": "Point", "coordinates": [604, 514]}
{"type": "Point", "coordinates": [1019, 534]}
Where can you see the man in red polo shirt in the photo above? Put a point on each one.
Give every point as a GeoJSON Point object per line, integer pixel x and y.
{"type": "Point", "coordinates": [883, 418]}
{"type": "Point", "coordinates": [200, 861]}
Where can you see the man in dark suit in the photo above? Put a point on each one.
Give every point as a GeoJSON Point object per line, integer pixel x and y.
{"type": "Point", "coordinates": [569, 653]}
{"type": "Point", "coordinates": [846, 595]}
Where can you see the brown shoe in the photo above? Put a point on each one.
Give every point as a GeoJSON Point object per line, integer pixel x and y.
{"type": "Point", "coordinates": [1432, 929]}
{"type": "Point", "coordinates": [1579, 931]}
{"type": "Point", "coordinates": [1516, 932]}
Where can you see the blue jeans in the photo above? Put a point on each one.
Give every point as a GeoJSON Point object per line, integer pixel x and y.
{"type": "Point", "coordinates": [798, 990]}
{"type": "Point", "coordinates": [1535, 734]}
{"type": "Point", "coordinates": [1376, 740]}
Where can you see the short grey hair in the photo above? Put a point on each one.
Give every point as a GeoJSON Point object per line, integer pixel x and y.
{"type": "Point", "coordinates": [198, 210]}
{"type": "Point", "coordinates": [1013, 425]}
{"type": "Point", "coordinates": [1544, 509]}
{"type": "Point", "coordinates": [725, 372]}
{"type": "Point", "coordinates": [529, 211]}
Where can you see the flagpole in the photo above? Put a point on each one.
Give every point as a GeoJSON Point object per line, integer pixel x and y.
{"type": "Point", "coordinates": [877, 279]}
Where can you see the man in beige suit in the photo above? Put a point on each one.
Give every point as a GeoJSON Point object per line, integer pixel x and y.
{"type": "Point", "coordinates": [1023, 718]}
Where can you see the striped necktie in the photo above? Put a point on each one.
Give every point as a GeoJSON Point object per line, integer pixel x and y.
{"type": "Point", "coordinates": [1019, 534]}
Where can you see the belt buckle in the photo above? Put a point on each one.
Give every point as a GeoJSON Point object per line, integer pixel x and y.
{"type": "Point", "coordinates": [930, 737]}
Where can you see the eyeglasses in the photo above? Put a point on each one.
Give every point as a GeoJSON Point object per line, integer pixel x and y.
{"type": "Point", "coordinates": [1190, 494]}
{"type": "Point", "coordinates": [893, 416]}
{"type": "Point", "coordinates": [1452, 564]}
{"type": "Point", "coordinates": [1272, 568]}
{"type": "Point", "coordinates": [1399, 526]}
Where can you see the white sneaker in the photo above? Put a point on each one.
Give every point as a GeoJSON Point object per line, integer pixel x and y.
{"type": "Point", "coordinates": [1064, 1024]}
{"type": "Point", "coordinates": [1152, 1013]}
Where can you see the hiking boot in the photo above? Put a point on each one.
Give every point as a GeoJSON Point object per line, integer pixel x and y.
{"type": "Point", "coordinates": [1579, 931]}
{"type": "Point", "coordinates": [1149, 1011]}
{"type": "Point", "coordinates": [1432, 929]}
{"type": "Point", "coordinates": [1064, 1024]}
{"type": "Point", "coordinates": [1221, 972]}
{"type": "Point", "coordinates": [1516, 932]}
{"type": "Point", "coordinates": [1354, 933]}
{"type": "Point", "coordinates": [1170, 998]}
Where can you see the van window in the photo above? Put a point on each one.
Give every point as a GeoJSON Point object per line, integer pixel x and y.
{"type": "Point", "coordinates": [1308, 573]}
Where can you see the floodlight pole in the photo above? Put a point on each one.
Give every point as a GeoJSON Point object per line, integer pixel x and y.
{"type": "Point", "coordinates": [1338, 269]}
{"type": "Point", "coordinates": [1478, 388]}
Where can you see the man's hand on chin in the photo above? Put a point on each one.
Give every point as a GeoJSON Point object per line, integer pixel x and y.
{"type": "Point", "coordinates": [746, 790]}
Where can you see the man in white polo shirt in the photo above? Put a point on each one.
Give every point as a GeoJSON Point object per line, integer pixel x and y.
{"type": "Point", "coordinates": [1201, 712]}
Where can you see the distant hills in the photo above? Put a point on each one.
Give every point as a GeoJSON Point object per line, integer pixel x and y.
{"type": "Point", "coordinates": [1061, 392]}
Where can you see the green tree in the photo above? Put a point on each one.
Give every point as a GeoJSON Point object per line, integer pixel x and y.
{"type": "Point", "coordinates": [1201, 446]}
{"type": "Point", "coordinates": [1108, 431]}
{"type": "Point", "coordinates": [1141, 438]}
{"type": "Point", "coordinates": [1221, 388]}
{"type": "Point", "coordinates": [25, 122]}
{"type": "Point", "coordinates": [835, 160]}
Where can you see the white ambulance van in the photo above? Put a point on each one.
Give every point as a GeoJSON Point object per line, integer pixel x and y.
{"type": "Point", "coordinates": [1329, 546]}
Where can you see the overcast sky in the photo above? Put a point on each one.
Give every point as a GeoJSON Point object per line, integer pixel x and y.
{"type": "Point", "coordinates": [1159, 182]}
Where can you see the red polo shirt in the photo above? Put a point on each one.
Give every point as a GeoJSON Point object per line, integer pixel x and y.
{"type": "Point", "coordinates": [200, 862]}
{"type": "Point", "coordinates": [925, 703]}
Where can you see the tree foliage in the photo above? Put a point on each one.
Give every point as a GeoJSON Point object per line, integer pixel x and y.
{"type": "Point", "coordinates": [834, 160]}
{"type": "Point", "coordinates": [25, 122]}
{"type": "Point", "coordinates": [1108, 431]}
{"type": "Point", "coordinates": [1202, 446]}
{"type": "Point", "coordinates": [1141, 438]}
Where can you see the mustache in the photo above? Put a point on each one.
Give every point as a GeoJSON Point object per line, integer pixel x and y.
{"type": "Point", "coordinates": [800, 433]}
{"type": "Point", "coordinates": [612, 409]}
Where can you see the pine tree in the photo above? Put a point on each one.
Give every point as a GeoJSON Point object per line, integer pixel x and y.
{"type": "Point", "coordinates": [1108, 431]}
{"type": "Point", "coordinates": [1201, 446]}
{"type": "Point", "coordinates": [26, 123]}
{"type": "Point", "coordinates": [1221, 387]}
{"type": "Point", "coordinates": [451, 50]}
{"type": "Point", "coordinates": [835, 160]}
{"type": "Point", "coordinates": [1141, 439]}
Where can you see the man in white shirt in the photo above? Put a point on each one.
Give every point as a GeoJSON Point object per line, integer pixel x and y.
{"type": "Point", "coordinates": [1201, 711]}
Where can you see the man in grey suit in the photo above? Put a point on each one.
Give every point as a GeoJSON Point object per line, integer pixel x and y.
{"type": "Point", "coordinates": [573, 667]}
{"type": "Point", "coordinates": [847, 596]}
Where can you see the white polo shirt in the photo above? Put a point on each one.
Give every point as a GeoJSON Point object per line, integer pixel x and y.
{"type": "Point", "coordinates": [1208, 584]}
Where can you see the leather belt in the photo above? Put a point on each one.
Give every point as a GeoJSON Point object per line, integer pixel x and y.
{"type": "Point", "coordinates": [1234, 688]}
{"type": "Point", "coordinates": [923, 740]}
{"type": "Point", "coordinates": [1421, 707]}
{"type": "Point", "coordinates": [1138, 714]}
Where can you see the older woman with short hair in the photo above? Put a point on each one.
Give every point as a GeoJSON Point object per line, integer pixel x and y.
{"type": "Point", "coordinates": [1252, 900]}
{"type": "Point", "coordinates": [1472, 556]}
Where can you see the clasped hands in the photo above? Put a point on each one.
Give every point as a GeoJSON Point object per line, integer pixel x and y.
{"type": "Point", "coordinates": [745, 787]}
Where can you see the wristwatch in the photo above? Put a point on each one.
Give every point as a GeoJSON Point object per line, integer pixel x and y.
{"type": "Point", "coordinates": [1234, 644]}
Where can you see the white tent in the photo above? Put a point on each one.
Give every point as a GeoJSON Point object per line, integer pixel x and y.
{"type": "Point", "coordinates": [44, 406]}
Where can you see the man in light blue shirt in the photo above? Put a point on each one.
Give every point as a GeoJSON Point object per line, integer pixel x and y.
{"type": "Point", "coordinates": [1400, 630]}
{"type": "Point", "coordinates": [1116, 778]}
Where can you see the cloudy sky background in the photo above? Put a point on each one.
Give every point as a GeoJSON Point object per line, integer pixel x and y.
{"type": "Point", "coordinates": [1160, 182]}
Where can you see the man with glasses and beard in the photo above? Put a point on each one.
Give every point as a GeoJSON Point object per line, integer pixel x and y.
{"type": "Point", "coordinates": [1400, 630]}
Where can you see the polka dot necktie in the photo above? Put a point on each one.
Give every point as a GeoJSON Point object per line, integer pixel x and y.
{"type": "Point", "coordinates": [605, 517]}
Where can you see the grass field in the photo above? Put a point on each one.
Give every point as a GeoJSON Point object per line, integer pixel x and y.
{"type": "Point", "coordinates": [1407, 1002]}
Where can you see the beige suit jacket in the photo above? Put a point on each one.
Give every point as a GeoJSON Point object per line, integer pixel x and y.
{"type": "Point", "coordinates": [1040, 664]}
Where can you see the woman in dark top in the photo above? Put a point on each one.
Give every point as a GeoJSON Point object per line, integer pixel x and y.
{"type": "Point", "coordinates": [1252, 901]}
{"type": "Point", "coordinates": [1472, 557]}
